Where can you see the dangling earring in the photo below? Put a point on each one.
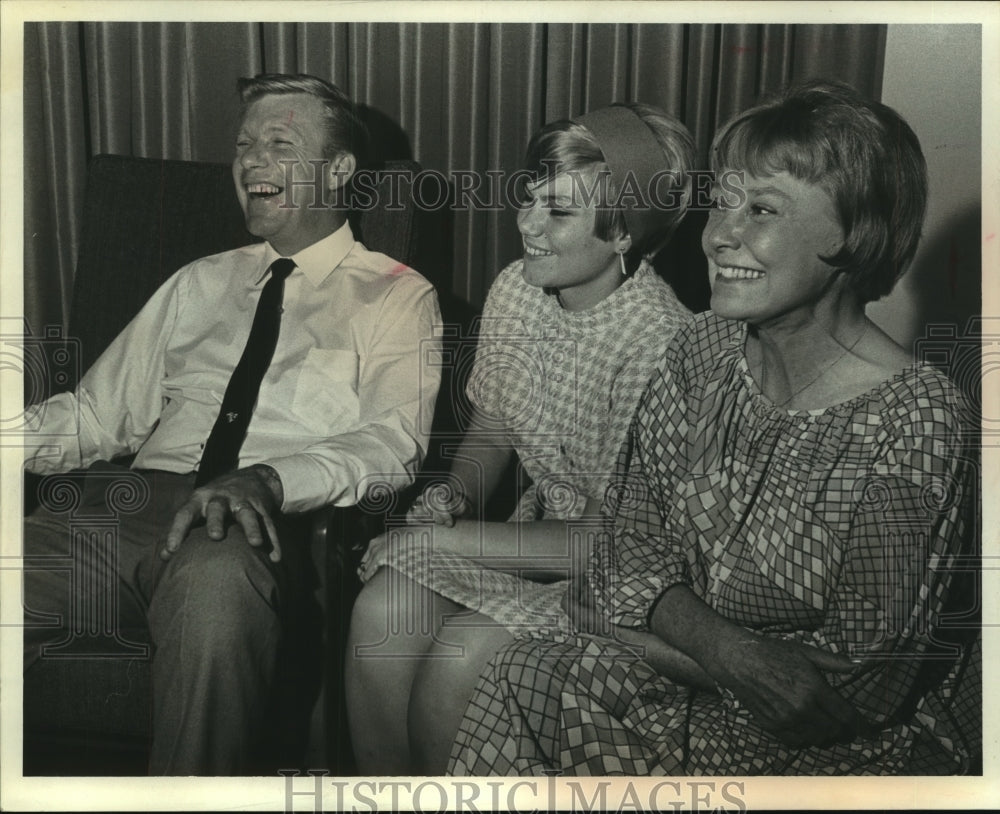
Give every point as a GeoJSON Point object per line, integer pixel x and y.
{"type": "Point", "coordinates": [621, 257]}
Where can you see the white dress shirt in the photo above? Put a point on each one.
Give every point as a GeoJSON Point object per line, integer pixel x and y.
{"type": "Point", "coordinates": [346, 402]}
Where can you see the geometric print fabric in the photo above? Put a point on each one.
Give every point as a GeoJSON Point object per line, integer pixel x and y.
{"type": "Point", "coordinates": [832, 527]}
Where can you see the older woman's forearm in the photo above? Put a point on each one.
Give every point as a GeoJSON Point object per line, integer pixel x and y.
{"type": "Point", "coordinates": [683, 620]}
{"type": "Point", "coordinates": [666, 660]}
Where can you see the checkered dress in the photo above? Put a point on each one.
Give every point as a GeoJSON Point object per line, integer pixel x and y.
{"type": "Point", "coordinates": [561, 386]}
{"type": "Point", "coordinates": [836, 527]}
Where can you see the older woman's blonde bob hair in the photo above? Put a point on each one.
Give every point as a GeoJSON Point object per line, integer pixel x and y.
{"type": "Point", "coordinates": [862, 153]}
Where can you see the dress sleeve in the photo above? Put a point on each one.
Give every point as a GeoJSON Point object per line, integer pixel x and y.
{"type": "Point", "coordinates": [912, 519]}
{"type": "Point", "coordinates": [500, 320]}
{"type": "Point", "coordinates": [641, 555]}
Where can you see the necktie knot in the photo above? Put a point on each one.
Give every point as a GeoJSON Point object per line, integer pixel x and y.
{"type": "Point", "coordinates": [282, 267]}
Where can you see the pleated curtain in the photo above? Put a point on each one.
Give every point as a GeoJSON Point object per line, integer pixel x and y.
{"type": "Point", "coordinates": [458, 98]}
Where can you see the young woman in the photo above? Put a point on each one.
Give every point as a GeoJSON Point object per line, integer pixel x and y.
{"type": "Point", "coordinates": [569, 337]}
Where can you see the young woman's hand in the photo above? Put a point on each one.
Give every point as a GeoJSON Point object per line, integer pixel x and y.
{"type": "Point", "coordinates": [441, 504]}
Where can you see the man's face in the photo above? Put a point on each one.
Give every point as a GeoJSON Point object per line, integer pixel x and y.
{"type": "Point", "coordinates": [284, 128]}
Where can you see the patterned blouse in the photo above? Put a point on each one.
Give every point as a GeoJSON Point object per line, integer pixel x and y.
{"type": "Point", "coordinates": [562, 385]}
{"type": "Point", "coordinates": [838, 527]}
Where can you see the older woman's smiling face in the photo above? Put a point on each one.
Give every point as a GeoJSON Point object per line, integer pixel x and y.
{"type": "Point", "coordinates": [764, 254]}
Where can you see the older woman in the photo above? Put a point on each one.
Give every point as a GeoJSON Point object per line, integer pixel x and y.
{"type": "Point", "coordinates": [569, 337]}
{"type": "Point", "coordinates": [788, 504]}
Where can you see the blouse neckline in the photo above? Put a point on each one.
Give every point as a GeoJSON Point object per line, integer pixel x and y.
{"type": "Point", "coordinates": [760, 398]}
{"type": "Point", "coordinates": [609, 310]}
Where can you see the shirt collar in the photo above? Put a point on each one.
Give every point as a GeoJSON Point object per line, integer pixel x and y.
{"type": "Point", "coordinates": [318, 261]}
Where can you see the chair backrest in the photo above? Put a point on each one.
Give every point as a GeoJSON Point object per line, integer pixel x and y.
{"type": "Point", "coordinates": [145, 218]}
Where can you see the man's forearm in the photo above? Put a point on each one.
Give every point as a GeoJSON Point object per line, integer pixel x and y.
{"type": "Point", "coordinates": [54, 445]}
{"type": "Point", "coordinates": [341, 469]}
{"type": "Point", "coordinates": [70, 436]}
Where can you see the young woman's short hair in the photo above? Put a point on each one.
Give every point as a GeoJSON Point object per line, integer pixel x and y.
{"type": "Point", "coordinates": [862, 153]}
{"type": "Point", "coordinates": [345, 131]}
{"type": "Point", "coordinates": [565, 146]}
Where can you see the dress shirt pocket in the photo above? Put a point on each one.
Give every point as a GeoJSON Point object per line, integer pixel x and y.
{"type": "Point", "coordinates": [326, 393]}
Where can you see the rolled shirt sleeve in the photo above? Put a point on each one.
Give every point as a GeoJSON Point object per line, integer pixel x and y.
{"type": "Point", "coordinates": [118, 400]}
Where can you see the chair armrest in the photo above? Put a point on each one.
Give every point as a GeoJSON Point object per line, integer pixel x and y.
{"type": "Point", "coordinates": [340, 536]}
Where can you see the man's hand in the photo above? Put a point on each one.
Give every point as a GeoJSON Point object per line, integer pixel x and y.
{"type": "Point", "coordinates": [251, 497]}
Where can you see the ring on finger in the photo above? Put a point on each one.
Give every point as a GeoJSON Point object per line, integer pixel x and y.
{"type": "Point", "coordinates": [236, 508]}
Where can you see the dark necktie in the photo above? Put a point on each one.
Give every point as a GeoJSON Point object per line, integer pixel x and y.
{"type": "Point", "coordinates": [222, 450]}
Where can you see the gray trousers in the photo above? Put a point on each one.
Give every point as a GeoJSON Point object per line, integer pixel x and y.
{"type": "Point", "coordinates": [212, 611]}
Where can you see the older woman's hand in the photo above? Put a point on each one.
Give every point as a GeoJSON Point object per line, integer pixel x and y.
{"type": "Point", "coordinates": [781, 684]}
